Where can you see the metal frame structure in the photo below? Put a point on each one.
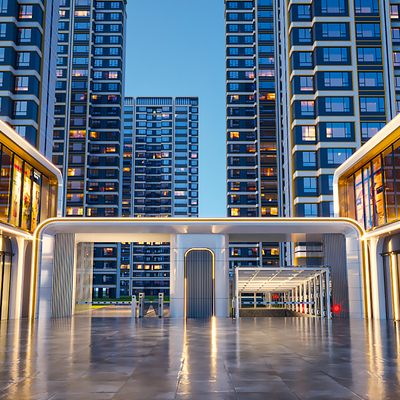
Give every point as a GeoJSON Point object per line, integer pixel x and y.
{"type": "Point", "coordinates": [298, 284]}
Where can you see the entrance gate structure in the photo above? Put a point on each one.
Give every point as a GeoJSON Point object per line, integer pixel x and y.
{"type": "Point", "coordinates": [62, 253]}
{"type": "Point", "coordinates": [306, 290]}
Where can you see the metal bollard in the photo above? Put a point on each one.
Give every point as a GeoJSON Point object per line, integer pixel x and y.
{"type": "Point", "coordinates": [133, 307]}
{"type": "Point", "coordinates": [141, 305]}
{"type": "Point", "coordinates": [160, 305]}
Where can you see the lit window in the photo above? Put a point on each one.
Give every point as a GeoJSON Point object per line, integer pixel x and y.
{"type": "Point", "coordinates": [308, 133]}
{"type": "Point", "coordinates": [25, 12]}
{"type": "Point", "coordinates": [21, 83]}
{"type": "Point", "coordinates": [235, 212]}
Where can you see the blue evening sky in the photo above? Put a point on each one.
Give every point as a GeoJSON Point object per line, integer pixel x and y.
{"type": "Point", "coordinates": [176, 48]}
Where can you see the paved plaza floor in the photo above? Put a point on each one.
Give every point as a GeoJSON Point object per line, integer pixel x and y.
{"type": "Point", "coordinates": [107, 355]}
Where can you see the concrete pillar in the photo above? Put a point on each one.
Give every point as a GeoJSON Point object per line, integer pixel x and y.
{"type": "Point", "coordinates": [309, 298]}
{"type": "Point", "coordinates": [254, 300]}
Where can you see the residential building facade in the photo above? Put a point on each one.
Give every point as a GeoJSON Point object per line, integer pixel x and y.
{"type": "Point", "coordinates": [160, 179]}
{"type": "Point", "coordinates": [88, 129]}
{"type": "Point", "coordinates": [253, 151]}
{"type": "Point", "coordinates": [28, 56]}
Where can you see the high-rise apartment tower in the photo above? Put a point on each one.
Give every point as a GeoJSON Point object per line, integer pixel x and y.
{"type": "Point", "coordinates": [28, 56]}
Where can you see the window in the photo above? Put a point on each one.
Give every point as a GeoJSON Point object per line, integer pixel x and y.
{"type": "Point", "coordinates": [233, 28]}
{"type": "Point", "coordinates": [114, 28]}
{"type": "Point", "coordinates": [310, 210]}
{"type": "Point", "coordinates": [394, 11]}
{"type": "Point", "coordinates": [233, 63]}
{"type": "Point", "coordinates": [3, 6]}
{"type": "Point", "coordinates": [113, 51]}
{"type": "Point", "coordinates": [305, 59]}
{"type": "Point", "coordinates": [98, 51]}
{"type": "Point", "coordinates": [25, 35]}
{"type": "Point", "coordinates": [306, 83]}
{"type": "Point", "coordinates": [233, 5]}
{"type": "Point", "coordinates": [115, 16]}
{"type": "Point", "coordinates": [25, 12]}
{"type": "Point", "coordinates": [1, 78]}
{"type": "Point", "coordinates": [114, 39]}
{"type": "Point", "coordinates": [80, 60]}
{"type": "Point", "coordinates": [333, 30]}
{"type": "Point", "coordinates": [21, 83]}
{"type": "Point", "coordinates": [113, 63]}
{"type": "Point", "coordinates": [303, 12]}
{"type": "Point", "coordinates": [371, 79]}
{"type": "Point", "coordinates": [369, 129]}
{"type": "Point", "coordinates": [99, 39]}
{"type": "Point", "coordinates": [372, 104]}
{"type": "Point", "coordinates": [338, 130]}
{"type": "Point", "coordinates": [337, 104]}
{"type": "Point", "coordinates": [396, 58]}
{"type": "Point", "coordinates": [233, 39]}
{"type": "Point", "coordinates": [308, 133]}
{"type": "Point", "coordinates": [233, 51]}
{"type": "Point", "coordinates": [310, 184]}
{"type": "Point", "coordinates": [20, 108]}
{"type": "Point", "coordinates": [249, 63]}
{"type": "Point", "coordinates": [81, 49]}
{"type": "Point", "coordinates": [338, 156]}
{"type": "Point", "coordinates": [115, 5]}
{"type": "Point", "coordinates": [367, 6]}
{"type": "Point", "coordinates": [233, 16]}
{"type": "Point", "coordinates": [336, 79]}
{"type": "Point", "coordinates": [307, 108]}
{"type": "Point", "coordinates": [369, 54]}
{"type": "Point", "coordinates": [99, 27]}
{"type": "Point", "coordinates": [3, 30]}
{"type": "Point", "coordinates": [23, 59]}
{"type": "Point", "coordinates": [365, 30]}
{"type": "Point", "coordinates": [99, 16]}
{"type": "Point", "coordinates": [309, 159]}
{"type": "Point", "coordinates": [2, 54]}
{"type": "Point", "coordinates": [304, 35]}
{"type": "Point", "coordinates": [98, 63]}
{"type": "Point", "coordinates": [396, 34]}
{"type": "Point", "coordinates": [335, 54]}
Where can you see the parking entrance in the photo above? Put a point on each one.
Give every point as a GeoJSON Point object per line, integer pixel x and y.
{"type": "Point", "coordinates": [300, 290]}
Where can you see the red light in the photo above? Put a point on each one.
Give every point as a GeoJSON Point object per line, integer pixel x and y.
{"type": "Point", "coordinates": [336, 308]}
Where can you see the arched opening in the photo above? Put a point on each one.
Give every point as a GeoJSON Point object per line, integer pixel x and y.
{"type": "Point", "coordinates": [199, 283]}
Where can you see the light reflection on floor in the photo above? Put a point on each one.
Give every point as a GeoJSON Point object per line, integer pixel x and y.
{"type": "Point", "coordinates": [107, 355]}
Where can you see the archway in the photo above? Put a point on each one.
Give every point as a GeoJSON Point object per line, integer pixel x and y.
{"type": "Point", "coordinates": [199, 283]}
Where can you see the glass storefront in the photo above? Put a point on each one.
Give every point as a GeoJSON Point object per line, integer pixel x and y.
{"type": "Point", "coordinates": [372, 194]}
{"type": "Point", "coordinates": [26, 195]}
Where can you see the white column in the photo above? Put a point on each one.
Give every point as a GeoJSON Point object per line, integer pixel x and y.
{"type": "Point", "coordinates": [354, 263]}
{"type": "Point", "coordinates": [321, 296]}
{"type": "Point", "coordinates": [328, 296]}
{"type": "Point", "coordinates": [237, 302]}
{"type": "Point", "coordinates": [309, 297]}
{"type": "Point", "coordinates": [377, 279]}
{"type": "Point", "coordinates": [254, 299]}
{"type": "Point", "coordinates": [17, 276]}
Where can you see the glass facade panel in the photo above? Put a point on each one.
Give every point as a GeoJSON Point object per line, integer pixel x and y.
{"type": "Point", "coordinates": [16, 191]}
{"type": "Point", "coordinates": [5, 184]}
{"type": "Point", "coordinates": [390, 195]}
{"type": "Point", "coordinates": [396, 163]}
{"type": "Point", "coordinates": [26, 196]}
{"type": "Point", "coordinates": [359, 198]}
{"type": "Point", "coordinates": [368, 197]}
{"type": "Point", "coordinates": [378, 191]}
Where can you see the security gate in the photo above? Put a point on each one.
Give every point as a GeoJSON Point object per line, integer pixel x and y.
{"type": "Point", "coordinates": [199, 283]}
